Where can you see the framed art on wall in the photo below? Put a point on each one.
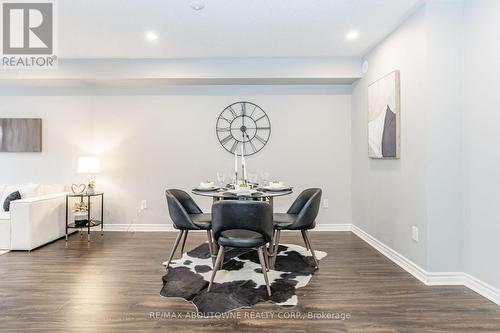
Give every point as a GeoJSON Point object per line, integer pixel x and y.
{"type": "Point", "coordinates": [20, 135]}
{"type": "Point", "coordinates": [384, 117]}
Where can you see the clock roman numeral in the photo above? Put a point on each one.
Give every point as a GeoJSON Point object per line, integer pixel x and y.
{"type": "Point", "coordinates": [254, 108]}
{"type": "Point", "coordinates": [263, 128]}
{"type": "Point", "coordinates": [234, 146]}
{"type": "Point", "coordinates": [226, 139]}
{"type": "Point", "coordinates": [232, 111]}
{"type": "Point", "coordinates": [223, 129]}
{"type": "Point", "coordinates": [256, 120]}
{"type": "Point", "coordinates": [253, 146]}
{"type": "Point", "coordinates": [222, 117]}
{"type": "Point", "coordinates": [260, 139]}
{"type": "Point", "coordinates": [243, 109]}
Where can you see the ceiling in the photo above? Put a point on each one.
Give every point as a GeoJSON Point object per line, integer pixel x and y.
{"type": "Point", "coordinates": [225, 28]}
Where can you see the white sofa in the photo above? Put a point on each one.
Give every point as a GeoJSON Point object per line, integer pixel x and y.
{"type": "Point", "coordinates": [36, 219]}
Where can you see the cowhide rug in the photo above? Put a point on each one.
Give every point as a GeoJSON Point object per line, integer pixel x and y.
{"type": "Point", "coordinates": [240, 282]}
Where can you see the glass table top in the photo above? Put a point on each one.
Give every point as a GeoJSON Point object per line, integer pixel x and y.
{"type": "Point", "coordinates": [224, 193]}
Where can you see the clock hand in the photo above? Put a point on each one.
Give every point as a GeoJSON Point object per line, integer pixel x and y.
{"type": "Point", "coordinates": [243, 129]}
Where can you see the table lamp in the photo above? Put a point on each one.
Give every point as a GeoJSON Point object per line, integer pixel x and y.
{"type": "Point", "coordinates": [89, 166]}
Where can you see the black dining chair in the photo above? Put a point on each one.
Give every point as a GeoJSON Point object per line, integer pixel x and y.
{"type": "Point", "coordinates": [186, 216]}
{"type": "Point", "coordinates": [300, 216]}
{"type": "Point", "coordinates": [242, 224]}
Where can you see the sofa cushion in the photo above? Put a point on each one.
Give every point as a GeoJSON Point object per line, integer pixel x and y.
{"type": "Point", "coordinates": [4, 216]}
{"type": "Point", "coordinates": [11, 197]}
{"type": "Point", "coordinates": [29, 190]}
{"type": "Point", "coordinates": [50, 189]}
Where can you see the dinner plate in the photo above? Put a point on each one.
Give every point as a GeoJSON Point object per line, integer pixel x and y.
{"type": "Point", "coordinates": [277, 189]}
{"type": "Point", "coordinates": [251, 194]}
{"type": "Point", "coordinates": [207, 189]}
{"type": "Point", "coordinates": [242, 193]}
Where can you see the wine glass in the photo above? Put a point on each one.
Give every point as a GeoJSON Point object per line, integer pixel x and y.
{"type": "Point", "coordinates": [221, 179]}
{"type": "Point", "coordinates": [264, 178]}
{"type": "Point", "coordinates": [253, 178]}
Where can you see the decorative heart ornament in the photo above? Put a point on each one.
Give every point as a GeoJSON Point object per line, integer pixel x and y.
{"type": "Point", "coordinates": [77, 189]}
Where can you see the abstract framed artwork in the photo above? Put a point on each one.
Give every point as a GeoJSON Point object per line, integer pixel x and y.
{"type": "Point", "coordinates": [384, 106]}
{"type": "Point", "coordinates": [20, 135]}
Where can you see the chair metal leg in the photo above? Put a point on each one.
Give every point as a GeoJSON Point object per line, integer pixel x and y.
{"type": "Point", "coordinates": [270, 250]}
{"type": "Point", "coordinates": [177, 240]}
{"type": "Point", "coordinates": [220, 255]}
{"type": "Point", "coordinates": [215, 246]}
{"type": "Point", "coordinates": [304, 238]}
{"type": "Point", "coordinates": [266, 258]}
{"type": "Point", "coordinates": [211, 246]}
{"type": "Point", "coordinates": [264, 269]}
{"type": "Point", "coordinates": [316, 262]}
{"type": "Point", "coordinates": [276, 247]}
{"type": "Point", "coordinates": [184, 241]}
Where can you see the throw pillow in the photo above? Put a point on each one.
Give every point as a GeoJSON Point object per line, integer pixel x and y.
{"type": "Point", "coordinates": [11, 197]}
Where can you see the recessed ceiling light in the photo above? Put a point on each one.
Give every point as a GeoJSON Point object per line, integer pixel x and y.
{"type": "Point", "coordinates": [352, 35]}
{"type": "Point", "coordinates": [151, 36]}
{"type": "Point", "coordinates": [197, 5]}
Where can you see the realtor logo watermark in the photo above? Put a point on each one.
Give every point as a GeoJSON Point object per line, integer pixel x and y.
{"type": "Point", "coordinates": [28, 30]}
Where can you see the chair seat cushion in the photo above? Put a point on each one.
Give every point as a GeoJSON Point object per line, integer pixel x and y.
{"type": "Point", "coordinates": [241, 238]}
{"type": "Point", "coordinates": [202, 221]}
{"type": "Point", "coordinates": [283, 221]}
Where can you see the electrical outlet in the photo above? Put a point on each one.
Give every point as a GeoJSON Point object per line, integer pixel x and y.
{"type": "Point", "coordinates": [326, 203]}
{"type": "Point", "coordinates": [414, 233]}
{"type": "Point", "coordinates": [144, 204]}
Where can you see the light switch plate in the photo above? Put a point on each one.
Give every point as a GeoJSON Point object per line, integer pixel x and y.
{"type": "Point", "coordinates": [414, 233]}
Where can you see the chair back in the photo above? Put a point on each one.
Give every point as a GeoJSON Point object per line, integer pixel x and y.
{"type": "Point", "coordinates": [306, 206]}
{"type": "Point", "coordinates": [250, 215]}
{"type": "Point", "coordinates": [180, 205]}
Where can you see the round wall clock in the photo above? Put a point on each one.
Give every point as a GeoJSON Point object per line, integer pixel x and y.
{"type": "Point", "coordinates": [243, 124]}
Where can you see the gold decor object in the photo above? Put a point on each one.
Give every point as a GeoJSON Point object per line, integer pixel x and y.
{"type": "Point", "coordinates": [78, 189]}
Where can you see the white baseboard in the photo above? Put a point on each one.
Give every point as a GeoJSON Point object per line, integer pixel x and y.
{"type": "Point", "coordinates": [444, 278]}
{"type": "Point", "coordinates": [431, 278]}
{"type": "Point", "coordinates": [169, 227]}
{"type": "Point", "coordinates": [139, 227]}
{"type": "Point", "coordinates": [332, 227]}
{"type": "Point", "coordinates": [482, 288]}
{"type": "Point", "coordinates": [397, 258]}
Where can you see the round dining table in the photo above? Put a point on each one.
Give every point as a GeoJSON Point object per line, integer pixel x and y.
{"type": "Point", "coordinates": [260, 194]}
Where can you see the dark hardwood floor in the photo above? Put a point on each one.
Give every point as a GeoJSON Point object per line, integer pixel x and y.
{"type": "Point", "coordinates": [113, 285]}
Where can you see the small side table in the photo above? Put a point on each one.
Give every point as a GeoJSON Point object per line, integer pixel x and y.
{"type": "Point", "coordinates": [89, 222]}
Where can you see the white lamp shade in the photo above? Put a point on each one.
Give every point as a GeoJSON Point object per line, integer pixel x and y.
{"type": "Point", "coordinates": [88, 165]}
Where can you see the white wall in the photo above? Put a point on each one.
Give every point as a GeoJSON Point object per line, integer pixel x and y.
{"type": "Point", "coordinates": [425, 187]}
{"type": "Point", "coordinates": [149, 141]}
{"type": "Point", "coordinates": [389, 196]}
{"type": "Point", "coordinates": [447, 181]}
{"type": "Point", "coordinates": [443, 135]}
{"type": "Point", "coordinates": [481, 118]}
{"type": "Point", "coordinates": [66, 124]}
